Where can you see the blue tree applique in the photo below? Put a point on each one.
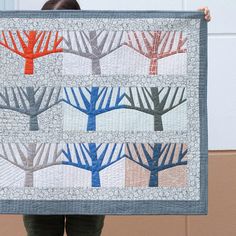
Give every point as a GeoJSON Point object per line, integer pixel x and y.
{"type": "Point", "coordinates": [94, 101]}
{"type": "Point", "coordinates": [93, 157]}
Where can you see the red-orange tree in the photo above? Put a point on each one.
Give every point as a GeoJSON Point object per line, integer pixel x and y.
{"type": "Point", "coordinates": [31, 45]}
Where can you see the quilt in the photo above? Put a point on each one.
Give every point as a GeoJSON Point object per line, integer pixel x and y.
{"type": "Point", "coordinates": [103, 112]}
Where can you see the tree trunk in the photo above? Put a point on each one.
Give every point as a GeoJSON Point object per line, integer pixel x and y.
{"type": "Point", "coordinates": [33, 117]}
{"type": "Point", "coordinates": [95, 165]}
{"type": "Point", "coordinates": [96, 67]}
{"type": "Point", "coordinates": [29, 179]}
{"type": "Point", "coordinates": [158, 126]}
{"type": "Point", "coordinates": [96, 179]}
{"type": "Point", "coordinates": [153, 181]}
{"type": "Point", "coordinates": [29, 66]}
{"type": "Point", "coordinates": [29, 51]}
{"type": "Point", "coordinates": [34, 123]}
{"type": "Point", "coordinates": [153, 70]}
{"type": "Point", "coordinates": [91, 126]}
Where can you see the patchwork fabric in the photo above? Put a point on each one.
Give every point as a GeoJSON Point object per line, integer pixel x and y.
{"type": "Point", "coordinates": [103, 112]}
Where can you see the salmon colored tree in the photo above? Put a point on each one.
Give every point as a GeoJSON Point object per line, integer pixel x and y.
{"type": "Point", "coordinates": [157, 157]}
{"type": "Point", "coordinates": [31, 45]}
{"type": "Point", "coordinates": [156, 45]}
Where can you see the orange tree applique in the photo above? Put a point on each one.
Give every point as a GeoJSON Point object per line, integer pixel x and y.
{"type": "Point", "coordinates": [31, 45]}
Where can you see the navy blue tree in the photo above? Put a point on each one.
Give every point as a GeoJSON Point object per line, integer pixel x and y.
{"type": "Point", "coordinates": [94, 101]}
{"type": "Point", "coordinates": [157, 157]}
{"type": "Point", "coordinates": [93, 157]}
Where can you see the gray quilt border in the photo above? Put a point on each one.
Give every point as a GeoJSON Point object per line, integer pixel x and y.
{"type": "Point", "coordinates": [140, 207]}
{"type": "Point", "coordinates": [101, 14]}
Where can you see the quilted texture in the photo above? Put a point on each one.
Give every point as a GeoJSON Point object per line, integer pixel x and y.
{"type": "Point", "coordinates": [103, 112]}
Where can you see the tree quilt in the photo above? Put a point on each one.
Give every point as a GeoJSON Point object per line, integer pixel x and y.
{"type": "Point", "coordinates": [103, 112]}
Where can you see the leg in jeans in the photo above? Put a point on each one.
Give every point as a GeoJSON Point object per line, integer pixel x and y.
{"type": "Point", "coordinates": [40, 225]}
{"type": "Point", "coordinates": [84, 225]}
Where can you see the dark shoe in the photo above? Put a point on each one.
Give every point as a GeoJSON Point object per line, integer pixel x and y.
{"type": "Point", "coordinates": [84, 225]}
{"type": "Point", "coordinates": [40, 225]}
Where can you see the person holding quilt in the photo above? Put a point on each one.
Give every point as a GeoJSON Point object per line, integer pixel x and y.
{"type": "Point", "coordinates": [75, 225]}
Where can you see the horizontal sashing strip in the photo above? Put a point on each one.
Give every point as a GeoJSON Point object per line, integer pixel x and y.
{"type": "Point", "coordinates": [103, 80]}
{"type": "Point", "coordinates": [94, 136]}
{"type": "Point", "coordinates": [114, 136]}
{"type": "Point", "coordinates": [112, 23]}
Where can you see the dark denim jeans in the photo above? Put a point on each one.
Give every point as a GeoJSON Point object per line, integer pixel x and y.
{"type": "Point", "coordinates": [54, 225]}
